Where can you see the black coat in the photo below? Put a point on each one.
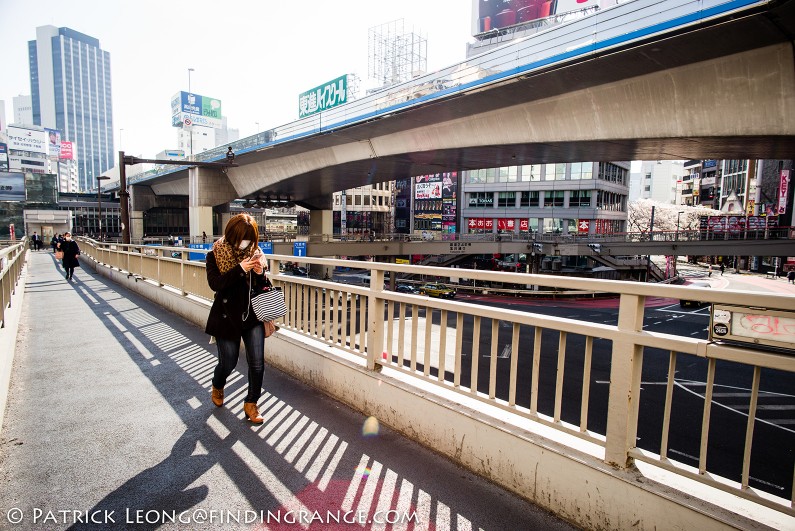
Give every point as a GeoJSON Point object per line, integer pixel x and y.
{"type": "Point", "coordinates": [70, 252]}
{"type": "Point", "coordinates": [232, 300]}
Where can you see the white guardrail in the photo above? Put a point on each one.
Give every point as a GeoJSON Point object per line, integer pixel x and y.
{"type": "Point", "coordinates": [439, 342]}
{"type": "Point", "coordinates": [576, 39]}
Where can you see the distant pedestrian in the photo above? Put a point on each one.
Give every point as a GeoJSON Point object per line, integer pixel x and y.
{"type": "Point", "coordinates": [791, 276]}
{"type": "Point", "coordinates": [204, 237]}
{"type": "Point", "coordinates": [722, 268]}
{"type": "Point", "coordinates": [36, 241]}
{"type": "Point", "coordinates": [710, 270]}
{"type": "Point", "coordinates": [70, 253]}
{"type": "Point", "coordinates": [54, 242]}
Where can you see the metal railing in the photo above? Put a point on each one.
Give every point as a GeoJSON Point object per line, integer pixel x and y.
{"type": "Point", "coordinates": [12, 259]}
{"type": "Point", "coordinates": [529, 358]}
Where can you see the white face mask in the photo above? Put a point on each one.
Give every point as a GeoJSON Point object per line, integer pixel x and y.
{"type": "Point", "coordinates": [68, 238]}
{"type": "Point", "coordinates": [244, 244]}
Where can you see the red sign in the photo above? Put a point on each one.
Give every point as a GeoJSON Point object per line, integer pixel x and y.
{"type": "Point", "coordinates": [506, 224]}
{"type": "Point", "coordinates": [489, 223]}
{"type": "Point", "coordinates": [583, 225]}
{"type": "Point", "coordinates": [783, 188]}
{"type": "Point", "coordinates": [524, 224]}
{"type": "Point", "coordinates": [66, 151]}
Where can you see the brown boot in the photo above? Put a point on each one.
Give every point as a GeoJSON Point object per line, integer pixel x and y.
{"type": "Point", "coordinates": [252, 413]}
{"type": "Point", "coordinates": [218, 397]}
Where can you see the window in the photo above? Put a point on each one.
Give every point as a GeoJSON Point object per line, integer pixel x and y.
{"type": "Point", "coordinates": [508, 174]}
{"type": "Point", "coordinates": [528, 199]}
{"type": "Point", "coordinates": [555, 172]}
{"type": "Point", "coordinates": [531, 172]}
{"type": "Point", "coordinates": [553, 198]}
{"type": "Point", "coordinates": [480, 199]}
{"type": "Point", "coordinates": [580, 198]}
{"type": "Point", "coordinates": [506, 199]}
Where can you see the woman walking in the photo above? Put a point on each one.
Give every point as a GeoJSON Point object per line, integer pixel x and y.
{"type": "Point", "coordinates": [70, 253]}
{"type": "Point", "coordinates": [235, 267]}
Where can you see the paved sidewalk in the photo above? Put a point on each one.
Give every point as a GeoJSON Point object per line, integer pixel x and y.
{"type": "Point", "coordinates": [109, 419]}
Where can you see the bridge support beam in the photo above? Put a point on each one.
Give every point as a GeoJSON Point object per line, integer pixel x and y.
{"type": "Point", "coordinates": [321, 224]}
{"type": "Point", "coordinates": [142, 198]}
{"type": "Point", "coordinates": [207, 187]}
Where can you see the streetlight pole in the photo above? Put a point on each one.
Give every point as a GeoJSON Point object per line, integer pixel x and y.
{"type": "Point", "coordinates": [190, 126]}
{"type": "Point", "coordinates": [100, 178]}
{"type": "Point", "coordinates": [120, 145]}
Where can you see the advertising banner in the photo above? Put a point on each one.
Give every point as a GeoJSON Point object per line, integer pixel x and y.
{"type": "Point", "coordinates": [197, 110]}
{"type": "Point", "coordinates": [3, 157]}
{"type": "Point", "coordinates": [12, 186]}
{"type": "Point", "coordinates": [67, 152]}
{"type": "Point", "coordinates": [737, 224]}
{"type": "Point", "coordinates": [492, 15]}
{"type": "Point", "coordinates": [583, 225]}
{"type": "Point", "coordinates": [506, 224]}
{"type": "Point", "coordinates": [27, 140]}
{"type": "Point", "coordinates": [783, 188]}
{"type": "Point", "coordinates": [326, 96]}
{"type": "Point", "coordinates": [428, 191]}
{"type": "Point", "coordinates": [524, 225]}
{"type": "Point", "coordinates": [53, 143]}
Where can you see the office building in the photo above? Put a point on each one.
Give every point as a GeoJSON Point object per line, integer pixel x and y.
{"type": "Point", "coordinates": [661, 181]}
{"type": "Point", "coordinates": [23, 110]}
{"type": "Point", "coordinates": [71, 92]}
{"type": "Point", "coordinates": [3, 122]}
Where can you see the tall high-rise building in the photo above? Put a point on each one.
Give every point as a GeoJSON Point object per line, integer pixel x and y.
{"type": "Point", "coordinates": [71, 91]}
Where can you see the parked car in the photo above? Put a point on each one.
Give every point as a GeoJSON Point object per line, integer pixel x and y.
{"type": "Point", "coordinates": [437, 290]}
{"type": "Point", "coordinates": [407, 288]}
{"type": "Point", "coordinates": [698, 304]}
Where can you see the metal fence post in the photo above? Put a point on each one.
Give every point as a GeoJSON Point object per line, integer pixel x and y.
{"type": "Point", "coordinates": [625, 372]}
{"type": "Point", "coordinates": [375, 322]}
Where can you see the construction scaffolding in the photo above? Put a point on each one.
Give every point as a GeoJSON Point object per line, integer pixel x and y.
{"type": "Point", "coordinates": [395, 53]}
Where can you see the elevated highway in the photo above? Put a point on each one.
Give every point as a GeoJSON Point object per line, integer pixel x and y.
{"type": "Point", "coordinates": [647, 79]}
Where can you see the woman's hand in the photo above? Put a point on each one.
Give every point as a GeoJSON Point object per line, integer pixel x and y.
{"type": "Point", "coordinates": [248, 264]}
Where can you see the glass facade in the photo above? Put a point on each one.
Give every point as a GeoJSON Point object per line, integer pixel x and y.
{"type": "Point", "coordinates": [81, 87]}
{"type": "Point", "coordinates": [557, 198]}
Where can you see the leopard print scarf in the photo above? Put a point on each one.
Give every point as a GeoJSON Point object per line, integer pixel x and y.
{"type": "Point", "coordinates": [227, 258]}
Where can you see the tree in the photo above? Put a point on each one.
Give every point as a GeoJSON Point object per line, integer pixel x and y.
{"type": "Point", "coordinates": [665, 216]}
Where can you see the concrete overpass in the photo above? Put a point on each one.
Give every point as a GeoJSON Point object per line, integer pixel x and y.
{"type": "Point", "coordinates": [643, 80]}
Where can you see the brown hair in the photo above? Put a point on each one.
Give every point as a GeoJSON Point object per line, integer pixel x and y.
{"type": "Point", "coordinates": [242, 227]}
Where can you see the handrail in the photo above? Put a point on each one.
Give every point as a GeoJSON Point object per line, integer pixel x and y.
{"type": "Point", "coordinates": [429, 345]}
{"type": "Point", "coordinates": [12, 260]}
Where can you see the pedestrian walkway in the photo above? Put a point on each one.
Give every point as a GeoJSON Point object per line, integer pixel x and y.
{"type": "Point", "coordinates": [110, 425]}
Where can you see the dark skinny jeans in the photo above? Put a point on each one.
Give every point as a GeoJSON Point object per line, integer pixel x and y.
{"type": "Point", "coordinates": [228, 352]}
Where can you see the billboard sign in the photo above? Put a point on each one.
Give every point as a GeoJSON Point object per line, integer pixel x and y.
{"type": "Point", "coordinates": [27, 140]}
{"type": "Point", "coordinates": [12, 186]}
{"type": "Point", "coordinates": [783, 189]}
{"type": "Point", "coordinates": [491, 15]}
{"type": "Point", "coordinates": [428, 191]}
{"type": "Point", "coordinates": [67, 151]}
{"type": "Point", "coordinates": [199, 110]}
{"type": "Point", "coordinates": [323, 97]}
{"type": "Point", "coordinates": [3, 157]}
{"type": "Point", "coordinates": [53, 143]}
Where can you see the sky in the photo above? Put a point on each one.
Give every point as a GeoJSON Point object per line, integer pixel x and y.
{"type": "Point", "coordinates": [256, 56]}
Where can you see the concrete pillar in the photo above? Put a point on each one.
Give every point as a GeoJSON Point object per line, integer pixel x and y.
{"type": "Point", "coordinates": [207, 187]}
{"type": "Point", "coordinates": [142, 198]}
{"type": "Point", "coordinates": [321, 223]}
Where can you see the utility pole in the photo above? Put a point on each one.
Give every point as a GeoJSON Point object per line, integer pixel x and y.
{"type": "Point", "coordinates": [124, 199]}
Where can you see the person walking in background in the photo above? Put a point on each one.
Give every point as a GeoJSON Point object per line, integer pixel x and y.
{"type": "Point", "coordinates": [710, 270]}
{"type": "Point", "coordinates": [36, 241]}
{"type": "Point", "coordinates": [70, 253]}
{"type": "Point", "coordinates": [722, 268]}
{"type": "Point", "coordinates": [204, 237]}
{"type": "Point", "coordinates": [791, 276]}
{"type": "Point", "coordinates": [235, 267]}
{"type": "Point", "coordinates": [54, 242]}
